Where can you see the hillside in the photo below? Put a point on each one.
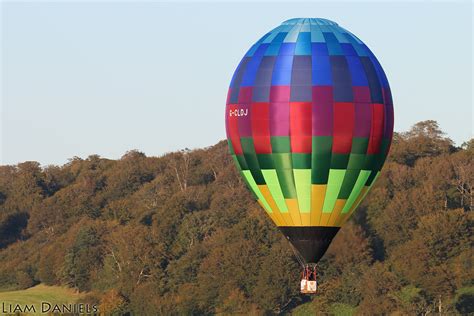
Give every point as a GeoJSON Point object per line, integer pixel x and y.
{"type": "Point", "coordinates": [180, 234]}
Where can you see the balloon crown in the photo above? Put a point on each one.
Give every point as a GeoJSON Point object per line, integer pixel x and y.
{"type": "Point", "coordinates": [313, 21]}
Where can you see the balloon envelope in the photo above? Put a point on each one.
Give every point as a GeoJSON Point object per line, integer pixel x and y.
{"type": "Point", "coordinates": [309, 121]}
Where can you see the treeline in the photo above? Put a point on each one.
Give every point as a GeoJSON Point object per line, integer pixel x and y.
{"type": "Point", "coordinates": [181, 235]}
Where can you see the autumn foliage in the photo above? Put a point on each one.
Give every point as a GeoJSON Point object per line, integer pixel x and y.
{"type": "Point", "coordinates": [180, 234]}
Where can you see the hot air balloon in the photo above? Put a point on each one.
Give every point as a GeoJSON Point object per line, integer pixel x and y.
{"type": "Point", "coordinates": [309, 122]}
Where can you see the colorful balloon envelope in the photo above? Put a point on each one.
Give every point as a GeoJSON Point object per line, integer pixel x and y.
{"type": "Point", "coordinates": [309, 121]}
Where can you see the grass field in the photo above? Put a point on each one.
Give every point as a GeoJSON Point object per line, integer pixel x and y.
{"type": "Point", "coordinates": [38, 294]}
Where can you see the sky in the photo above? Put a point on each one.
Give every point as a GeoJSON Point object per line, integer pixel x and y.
{"type": "Point", "coordinates": [82, 78]}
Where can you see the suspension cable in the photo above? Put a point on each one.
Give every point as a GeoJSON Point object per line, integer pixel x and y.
{"type": "Point", "coordinates": [300, 259]}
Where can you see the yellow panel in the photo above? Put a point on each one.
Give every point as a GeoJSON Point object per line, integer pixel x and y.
{"type": "Point", "coordinates": [287, 218]}
{"type": "Point", "coordinates": [336, 212]}
{"type": "Point", "coordinates": [305, 219]}
{"type": "Point", "coordinates": [324, 219]}
{"type": "Point", "coordinates": [272, 215]}
{"type": "Point", "coordinates": [269, 198]}
{"type": "Point", "coordinates": [318, 191]}
{"type": "Point", "coordinates": [294, 211]}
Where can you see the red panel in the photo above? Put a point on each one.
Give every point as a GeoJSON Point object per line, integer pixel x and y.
{"type": "Point", "coordinates": [376, 129]}
{"type": "Point", "coordinates": [300, 127]}
{"type": "Point", "coordinates": [233, 129]}
{"type": "Point", "coordinates": [343, 127]}
{"type": "Point", "coordinates": [229, 92]}
{"type": "Point", "coordinates": [261, 127]}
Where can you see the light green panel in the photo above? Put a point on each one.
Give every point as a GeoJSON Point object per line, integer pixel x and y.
{"type": "Point", "coordinates": [253, 185]}
{"type": "Point", "coordinates": [273, 184]}
{"type": "Point", "coordinates": [303, 189]}
{"type": "Point", "coordinates": [361, 179]}
{"type": "Point", "coordinates": [336, 176]}
{"type": "Point", "coordinates": [370, 187]}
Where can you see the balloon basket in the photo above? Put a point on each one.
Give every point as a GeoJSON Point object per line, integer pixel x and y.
{"type": "Point", "coordinates": [308, 284]}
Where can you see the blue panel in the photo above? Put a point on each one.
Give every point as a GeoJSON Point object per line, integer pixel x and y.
{"type": "Point", "coordinates": [280, 37]}
{"type": "Point", "coordinates": [263, 78]}
{"type": "Point", "coordinates": [342, 79]}
{"type": "Point", "coordinates": [320, 49]}
{"type": "Point", "coordinates": [287, 49]}
{"type": "Point", "coordinates": [282, 70]}
{"type": "Point", "coordinates": [239, 73]}
{"type": "Point", "coordinates": [261, 94]}
{"type": "Point", "coordinates": [261, 50]}
{"type": "Point", "coordinates": [273, 49]}
{"type": "Point", "coordinates": [303, 44]}
{"type": "Point", "coordinates": [267, 62]}
{"type": "Point", "coordinates": [348, 49]}
{"type": "Point", "coordinates": [357, 71]}
{"type": "Point", "coordinates": [321, 71]}
{"type": "Point", "coordinates": [304, 37]}
{"type": "Point", "coordinates": [303, 48]}
{"type": "Point", "coordinates": [252, 67]}
{"type": "Point", "coordinates": [379, 70]}
{"type": "Point", "coordinates": [374, 83]}
{"type": "Point", "coordinates": [334, 48]}
{"type": "Point", "coordinates": [301, 93]}
{"type": "Point", "coordinates": [301, 73]}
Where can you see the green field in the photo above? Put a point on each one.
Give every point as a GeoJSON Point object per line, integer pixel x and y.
{"type": "Point", "coordinates": [38, 294]}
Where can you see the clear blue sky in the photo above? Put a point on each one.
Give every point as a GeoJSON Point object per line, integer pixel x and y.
{"type": "Point", "coordinates": [103, 78]}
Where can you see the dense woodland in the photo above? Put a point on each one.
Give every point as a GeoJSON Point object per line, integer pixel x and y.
{"type": "Point", "coordinates": [181, 235]}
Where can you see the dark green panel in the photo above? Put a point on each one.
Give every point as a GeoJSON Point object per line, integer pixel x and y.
{"type": "Point", "coordinates": [319, 176]}
{"type": "Point", "coordinates": [382, 155]}
{"type": "Point", "coordinates": [339, 161]}
{"type": "Point", "coordinates": [287, 183]}
{"type": "Point", "coordinates": [359, 145]}
{"type": "Point", "coordinates": [322, 145]}
{"type": "Point", "coordinates": [251, 159]}
{"type": "Point", "coordinates": [247, 145]}
{"type": "Point", "coordinates": [321, 159]}
{"type": "Point", "coordinates": [356, 161]}
{"type": "Point", "coordinates": [280, 144]}
{"type": "Point", "coordinates": [369, 163]}
{"type": "Point", "coordinates": [282, 161]}
{"type": "Point", "coordinates": [236, 161]}
{"type": "Point", "coordinates": [301, 161]}
{"type": "Point", "coordinates": [350, 178]}
{"type": "Point", "coordinates": [231, 148]}
{"type": "Point", "coordinates": [242, 162]}
{"type": "Point", "coordinates": [371, 178]}
{"type": "Point", "coordinates": [265, 161]}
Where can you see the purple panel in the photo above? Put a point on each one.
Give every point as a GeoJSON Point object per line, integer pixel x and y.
{"type": "Point", "coordinates": [279, 119]}
{"type": "Point", "coordinates": [245, 95]}
{"type": "Point", "coordinates": [363, 117]}
{"type": "Point", "coordinates": [301, 93]}
{"type": "Point", "coordinates": [261, 94]}
{"type": "Point", "coordinates": [388, 126]}
{"type": "Point", "coordinates": [322, 111]}
{"type": "Point", "coordinates": [387, 95]}
{"type": "Point", "coordinates": [361, 94]}
{"type": "Point", "coordinates": [280, 94]}
{"type": "Point", "coordinates": [227, 108]}
{"type": "Point", "coordinates": [244, 122]}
